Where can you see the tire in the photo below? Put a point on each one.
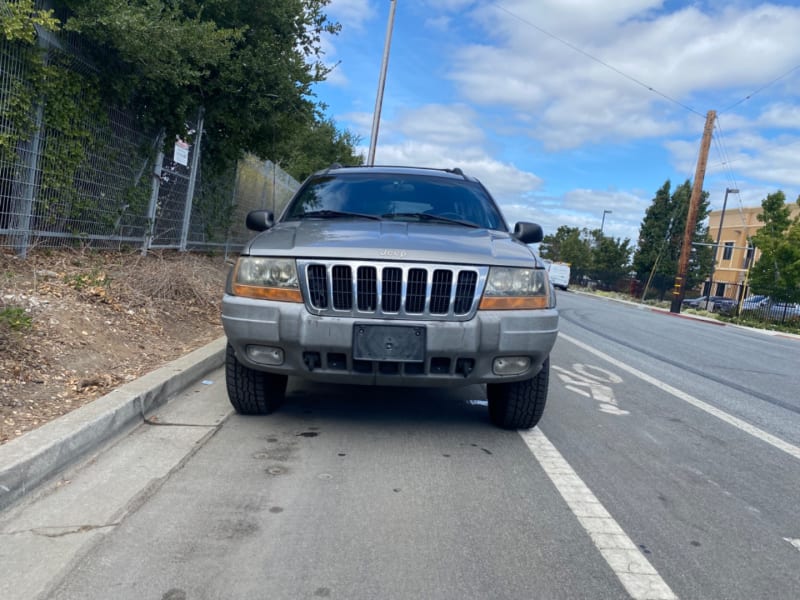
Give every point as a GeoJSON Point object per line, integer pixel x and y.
{"type": "Point", "coordinates": [252, 392]}
{"type": "Point", "coordinates": [519, 404]}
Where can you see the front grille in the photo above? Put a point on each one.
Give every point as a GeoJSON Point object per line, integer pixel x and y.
{"type": "Point", "coordinates": [402, 291]}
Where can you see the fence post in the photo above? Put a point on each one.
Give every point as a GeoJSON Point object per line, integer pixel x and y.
{"type": "Point", "coordinates": [156, 186]}
{"type": "Point", "coordinates": [25, 212]}
{"type": "Point", "coordinates": [187, 211]}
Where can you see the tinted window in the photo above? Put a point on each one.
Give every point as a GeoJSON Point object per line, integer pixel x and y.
{"type": "Point", "coordinates": [388, 195]}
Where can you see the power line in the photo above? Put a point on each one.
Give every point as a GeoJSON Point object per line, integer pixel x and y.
{"type": "Point", "coordinates": [763, 87]}
{"type": "Point", "coordinates": [597, 60]}
{"type": "Point", "coordinates": [720, 144]}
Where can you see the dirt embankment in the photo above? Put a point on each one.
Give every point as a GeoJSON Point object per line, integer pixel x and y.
{"type": "Point", "coordinates": [76, 324]}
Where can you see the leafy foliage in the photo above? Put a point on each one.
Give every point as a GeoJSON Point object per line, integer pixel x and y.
{"type": "Point", "coordinates": [661, 237]}
{"type": "Point", "coordinates": [777, 272]}
{"type": "Point", "coordinates": [610, 258]}
{"type": "Point", "coordinates": [320, 146]}
{"type": "Point", "coordinates": [589, 253]}
{"type": "Point", "coordinates": [15, 318]}
{"type": "Point", "coordinates": [55, 94]}
{"type": "Point", "coordinates": [250, 64]}
{"type": "Point", "coordinates": [20, 19]}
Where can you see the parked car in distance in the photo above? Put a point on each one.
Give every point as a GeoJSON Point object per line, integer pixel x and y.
{"type": "Point", "coordinates": [719, 304]}
{"type": "Point", "coordinates": [756, 302]}
{"type": "Point", "coordinates": [559, 274]}
{"type": "Point", "coordinates": [784, 311]}
{"type": "Point", "coordinates": [764, 307]}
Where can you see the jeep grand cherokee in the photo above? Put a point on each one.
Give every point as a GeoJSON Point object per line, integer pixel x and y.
{"type": "Point", "coordinates": [391, 276]}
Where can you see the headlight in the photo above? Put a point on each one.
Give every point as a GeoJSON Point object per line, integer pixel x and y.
{"type": "Point", "coordinates": [267, 278]}
{"type": "Point", "coordinates": [510, 288]}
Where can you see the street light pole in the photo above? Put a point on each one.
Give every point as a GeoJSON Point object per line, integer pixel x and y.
{"type": "Point", "coordinates": [376, 115]}
{"type": "Point", "coordinates": [274, 147]}
{"type": "Point", "coordinates": [716, 244]}
{"type": "Point", "coordinates": [603, 221]}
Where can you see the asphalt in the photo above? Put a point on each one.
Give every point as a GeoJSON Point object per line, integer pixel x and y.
{"type": "Point", "coordinates": [40, 455]}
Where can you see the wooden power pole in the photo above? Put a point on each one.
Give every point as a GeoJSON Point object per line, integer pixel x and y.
{"type": "Point", "coordinates": [691, 219]}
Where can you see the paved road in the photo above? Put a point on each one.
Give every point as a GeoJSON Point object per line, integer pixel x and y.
{"type": "Point", "coordinates": [667, 465]}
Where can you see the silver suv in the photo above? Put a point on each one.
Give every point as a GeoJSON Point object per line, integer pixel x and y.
{"type": "Point", "coordinates": [391, 276]}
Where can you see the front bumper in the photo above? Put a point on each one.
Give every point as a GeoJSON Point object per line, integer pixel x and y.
{"type": "Point", "coordinates": [320, 348]}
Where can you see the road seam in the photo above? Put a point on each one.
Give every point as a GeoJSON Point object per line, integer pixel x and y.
{"type": "Point", "coordinates": [740, 424]}
{"type": "Point", "coordinates": [637, 575]}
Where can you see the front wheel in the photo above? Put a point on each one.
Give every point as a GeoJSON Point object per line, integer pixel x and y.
{"type": "Point", "coordinates": [252, 392]}
{"type": "Point", "coordinates": [519, 404]}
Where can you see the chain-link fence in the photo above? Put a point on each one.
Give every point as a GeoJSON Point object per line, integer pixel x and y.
{"type": "Point", "coordinates": [112, 185]}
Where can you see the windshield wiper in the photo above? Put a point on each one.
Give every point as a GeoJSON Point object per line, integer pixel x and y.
{"type": "Point", "coordinates": [429, 217]}
{"type": "Point", "coordinates": [338, 214]}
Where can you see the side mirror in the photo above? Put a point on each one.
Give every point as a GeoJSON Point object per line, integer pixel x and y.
{"type": "Point", "coordinates": [259, 220]}
{"type": "Point", "coordinates": [528, 233]}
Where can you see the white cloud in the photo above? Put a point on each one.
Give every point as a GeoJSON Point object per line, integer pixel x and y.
{"type": "Point", "coordinates": [453, 125]}
{"type": "Point", "coordinates": [574, 99]}
{"type": "Point", "coordinates": [780, 115]}
{"type": "Point", "coordinates": [351, 13]}
{"type": "Point", "coordinates": [440, 23]}
{"type": "Point", "coordinates": [727, 56]}
{"type": "Point", "coordinates": [445, 136]}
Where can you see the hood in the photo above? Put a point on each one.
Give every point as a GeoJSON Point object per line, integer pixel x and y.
{"type": "Point", "coordinates": [392, 240]}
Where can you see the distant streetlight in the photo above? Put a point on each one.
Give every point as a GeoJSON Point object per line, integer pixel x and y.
{"type": "Point", "coordinates": [716, 244]}
{"type": "Point", "coordinates": [603, 221]}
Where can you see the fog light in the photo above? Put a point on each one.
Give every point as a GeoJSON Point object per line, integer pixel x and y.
{"type": "Point", "coordinates": [511, 365]}
{"type": "Point", "coordinates": [265, 355]}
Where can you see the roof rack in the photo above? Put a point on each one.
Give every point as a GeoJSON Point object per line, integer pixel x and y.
{"type": "Point", "coordinates": [334, 165]}
{"type": "Point", "coordinates": [456, 171]}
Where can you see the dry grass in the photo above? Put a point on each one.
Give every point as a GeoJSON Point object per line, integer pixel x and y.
{"type": "Point", "coordinates": [75, 324]}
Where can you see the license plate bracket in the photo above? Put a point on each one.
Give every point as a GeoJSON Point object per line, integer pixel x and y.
{"type": "Point", "coordinates": [389, 343]}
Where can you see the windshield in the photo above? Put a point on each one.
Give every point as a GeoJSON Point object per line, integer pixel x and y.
{"type": "Point", "coordinates": [405, 197]}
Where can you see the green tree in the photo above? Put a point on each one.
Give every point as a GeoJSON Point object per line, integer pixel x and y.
{"type": "Point", "coordinates": [570, 245]}
{"type": "Point", "coordinates": [251, 65]}
{"type": "Point", "coordinates": [777, 272]}
{"type": "Point", "coordinates": [611, 258]}
{"type": "Point", "coordinates": [317, 147]}
{"type": "Point", "coordinates": [661, 237]}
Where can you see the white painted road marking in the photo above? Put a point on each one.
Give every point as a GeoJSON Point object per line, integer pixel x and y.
{"type": "Point", "coordinates": [637, 575]}
{"type": "Point", "coordinates": [595, 380]}
{"type": "Point", "coordinates": [775, 441]}
{"type": "Point", "coordinates": [795, 543]}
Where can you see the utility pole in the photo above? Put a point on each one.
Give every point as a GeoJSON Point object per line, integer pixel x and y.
{"type": "Point", "coordinates": [679, 289]}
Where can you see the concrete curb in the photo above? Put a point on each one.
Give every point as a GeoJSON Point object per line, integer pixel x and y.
{"type": "Point", "coordinates": [40, 454]}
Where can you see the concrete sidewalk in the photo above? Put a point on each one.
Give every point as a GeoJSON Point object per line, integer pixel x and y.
{"type": "Point", "coordinates": [39, 455]}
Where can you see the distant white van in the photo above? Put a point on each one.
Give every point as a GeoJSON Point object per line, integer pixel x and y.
{"type": "Point", "coordinates": [559, 274]}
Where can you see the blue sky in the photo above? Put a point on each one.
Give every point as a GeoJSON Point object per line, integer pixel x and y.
{"type": "Point", "coordinates": [567, 108]}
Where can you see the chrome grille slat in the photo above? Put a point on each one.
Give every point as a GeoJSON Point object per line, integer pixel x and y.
{"type": "Point", "coordinates": [342, 290]}
{"type": "Point", "coordinates": [416, 291]}
{"type": "Point", "coordinates": [391, 290]}
{"type": "Point", "coordinates": [463, 297]}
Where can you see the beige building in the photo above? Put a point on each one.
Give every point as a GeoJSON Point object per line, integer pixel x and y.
{"type": "Point", "coordinates": [733, 254]}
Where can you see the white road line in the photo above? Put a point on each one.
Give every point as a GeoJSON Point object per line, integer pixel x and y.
{"type": "Point", "coordinates": [775, 441]}
{"type": "Point", "coordinates": [634, 571]}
